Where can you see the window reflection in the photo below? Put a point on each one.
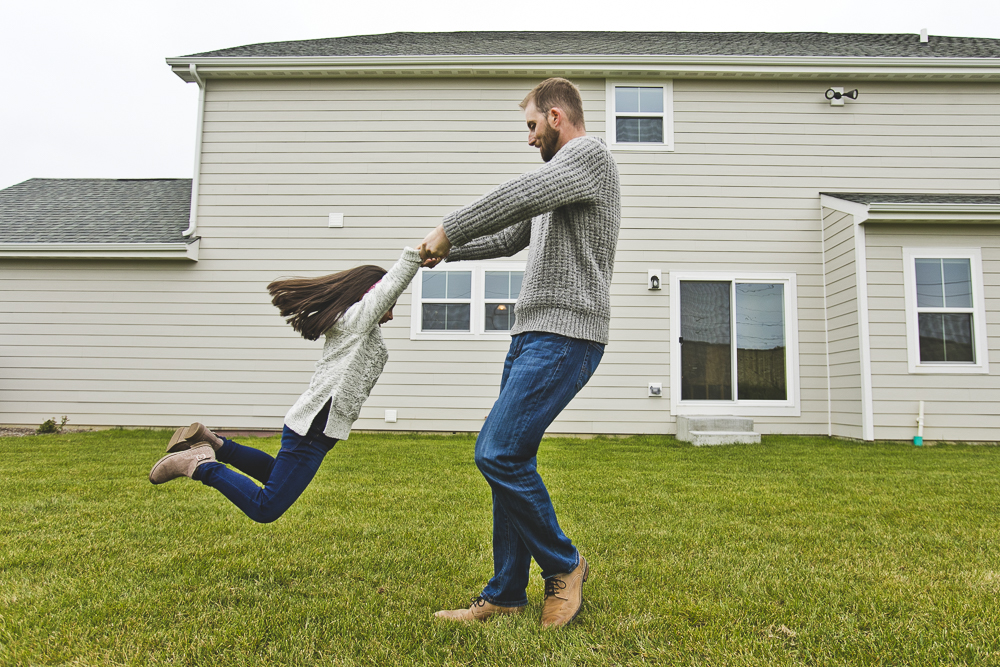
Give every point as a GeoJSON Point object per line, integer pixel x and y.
{"type": "Point", "coordinates": [445, 316]}
{"type": "Point", "coordinates": [706, 360]}
{"type": "Point", "coordinates": [946, 337]}
{"type": "Point", "coordinates": [506, 286]}
{"type": "Point", "coordinates": [760, 342]}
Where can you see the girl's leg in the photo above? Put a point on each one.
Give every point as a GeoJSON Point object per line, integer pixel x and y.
{"type": "Point", "coordinates": [292, 470]}
{"type": "Point", "coordinates": [247, 460]}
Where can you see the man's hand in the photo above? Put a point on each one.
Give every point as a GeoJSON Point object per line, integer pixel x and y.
{"type": "Point", "coordinates": [435, 247]}
{"type": "Point", "coordinates": [429, 262]}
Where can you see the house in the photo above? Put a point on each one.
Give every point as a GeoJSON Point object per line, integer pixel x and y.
{"type": "Point", "coordinates": [810, 236]}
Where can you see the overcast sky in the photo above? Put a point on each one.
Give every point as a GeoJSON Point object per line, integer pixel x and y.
{"type": "Point", "coordinates": [87, 92]}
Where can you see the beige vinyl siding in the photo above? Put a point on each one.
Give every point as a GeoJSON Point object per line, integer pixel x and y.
{"type": "Point", "coordinates": [158, 345]}
{"type": "Point", "coordinates": [843, 331]}
{"type": "Point", "coordinates": [740, 193]}
{"type": "Point", "coordinates": [958, 406]}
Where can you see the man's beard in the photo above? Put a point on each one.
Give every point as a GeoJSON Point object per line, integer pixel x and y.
{"type": "Point", "coordinates": [547, 143]}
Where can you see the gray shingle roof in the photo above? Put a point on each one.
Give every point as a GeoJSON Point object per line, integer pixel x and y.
{"type": "Point", "coordinates": [912, 198]}
{"type": "Point", "coordinates": [794, 44]}
{"type": "Point", "coordinates": [95, 210]}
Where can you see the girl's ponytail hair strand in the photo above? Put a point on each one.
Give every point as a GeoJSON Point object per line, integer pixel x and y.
{"type": "Point", "coordinates": [314, 305]}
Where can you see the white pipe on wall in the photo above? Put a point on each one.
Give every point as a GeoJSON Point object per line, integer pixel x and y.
{"type": "Point", "coordinates": [193, 218]}
{"type": "Point", "coordinates": [919, 439]}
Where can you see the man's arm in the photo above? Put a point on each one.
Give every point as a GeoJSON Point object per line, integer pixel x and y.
{"type": "Point", "coordinates": [508, 241]}
{"type": "Point", "coordinates": [573, 176]}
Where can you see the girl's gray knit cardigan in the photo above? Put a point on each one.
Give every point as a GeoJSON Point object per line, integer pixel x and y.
{"type": "Point", "coordinates": [353, 356]}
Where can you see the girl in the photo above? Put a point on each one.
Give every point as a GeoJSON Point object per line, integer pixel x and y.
{"type": "Point", "coordinates": [348, 308]}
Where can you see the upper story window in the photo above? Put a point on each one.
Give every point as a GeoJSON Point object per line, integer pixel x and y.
{"type": "Point", "coordinates": [640, 115]}
{"type": "Point", "coordinates": [465, 300]}
{"type": "Point", "coordinates": [945, 315]}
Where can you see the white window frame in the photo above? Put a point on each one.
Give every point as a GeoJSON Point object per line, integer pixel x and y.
{"type": "Point", "coordinates": [982, 364]}
{"type": "Point", "coordinates": [791, 407]}
{"type": "Point", "coordinates": [668, 116]}
{"type": "Point", "coordinates": [477, 312]}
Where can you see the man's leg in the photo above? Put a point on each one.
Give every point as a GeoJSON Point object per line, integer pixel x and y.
{"type": "Point", "coordinates": [542, 374]}
{"type": "Point", "coordinates": [511, 562]}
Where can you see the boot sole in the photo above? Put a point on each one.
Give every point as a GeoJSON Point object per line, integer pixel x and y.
{"type": "Point", "coordinates": [179, 441]}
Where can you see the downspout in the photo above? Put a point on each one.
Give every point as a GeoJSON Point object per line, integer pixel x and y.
{"type": "Point", "coordinates": [193, 219]}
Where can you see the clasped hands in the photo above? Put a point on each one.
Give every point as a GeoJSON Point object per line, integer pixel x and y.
{"type": "Point", "coordinates": [435, 247]}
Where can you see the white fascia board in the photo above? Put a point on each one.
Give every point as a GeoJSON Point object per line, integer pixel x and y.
{"type": "Point", "coordinates": [914, 211]}
{"type": "Point", "coordinates": [188, 251]}
{"type": "Point", "coordinates": [588, 65]}
{"type": "Point", "coordinates": [917, 212]}
{"type": "Point", "coordinates": [859, 211]}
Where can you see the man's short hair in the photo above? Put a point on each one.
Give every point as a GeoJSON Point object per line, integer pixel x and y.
{"type": "Point", "coordinates": [557, 92]}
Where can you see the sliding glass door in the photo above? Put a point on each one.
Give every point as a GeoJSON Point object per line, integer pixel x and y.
{"type": "Point", "coordinates": [733, 342]}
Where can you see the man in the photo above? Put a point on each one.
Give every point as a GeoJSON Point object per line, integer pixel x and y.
{"type": "Point", "coordinates": [567, 213]}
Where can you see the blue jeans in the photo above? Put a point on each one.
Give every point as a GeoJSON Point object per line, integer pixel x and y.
{"type": "Point", "coordinates": [284, 477]}
{"type": "Point", "coordinates": [541, 374]}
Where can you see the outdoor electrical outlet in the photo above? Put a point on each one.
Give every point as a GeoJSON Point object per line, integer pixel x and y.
{"type": "Point", "coordinates": [656, 389]}
{"type": "Point", "coordinates": [390, 416]}
{"type": "Point", "coordinates": [336, 219]}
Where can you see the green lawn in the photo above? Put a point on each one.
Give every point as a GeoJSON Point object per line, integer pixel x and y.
{"type": "Point", "coordinates": [795, 551]}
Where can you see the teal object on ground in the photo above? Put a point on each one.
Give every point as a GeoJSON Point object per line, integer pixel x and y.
{"type": "Point", "coordinates": [918, 441]}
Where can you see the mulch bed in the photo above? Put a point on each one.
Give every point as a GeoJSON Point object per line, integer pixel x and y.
{"type": "Point", "coordinates": [11, 432]}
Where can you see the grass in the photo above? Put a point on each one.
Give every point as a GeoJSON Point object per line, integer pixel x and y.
{"type": "Point", "coordinates": [799, 551]}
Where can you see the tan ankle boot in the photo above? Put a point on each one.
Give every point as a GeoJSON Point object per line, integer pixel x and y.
{"type": "Point", "coordinates": [181, 464]}
{"type": "Point", "coordinates": [564, 596]}
{"type": "Point", "coordinates": [479, 611]}
{"type": "Point", "coordinates": [186, 436]}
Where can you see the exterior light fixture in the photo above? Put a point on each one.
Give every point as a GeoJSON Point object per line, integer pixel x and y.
{"type": "Point", "coordinates": [836, 96]}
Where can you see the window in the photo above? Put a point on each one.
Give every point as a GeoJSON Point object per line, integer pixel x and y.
{"type": "Point", "coordinates": [466, 300]}
{"type": "Point", "coordinates": [446, 300]}
{"type": "Point", "coordinates": [944, 311]}
{"type": "Point", "coordinates": [502, 289]}
{"type": "Point", "coordinates": [734, 344]}
{"type": "Point", "coordinates": [640, 115]}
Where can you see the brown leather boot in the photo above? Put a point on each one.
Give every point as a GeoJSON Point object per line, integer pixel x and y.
{"type": "Point", "coordinates": [186, 436]}
{"type": "Point", "coordinates": [181, 464]}
{"type": "Point", "coordinates": [479, 611]}
{"type": "Point", "coordinates": [564, 596]}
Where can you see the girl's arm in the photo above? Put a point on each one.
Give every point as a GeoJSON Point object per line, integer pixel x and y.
{"type": "Point", "coordinates": [365, 314]}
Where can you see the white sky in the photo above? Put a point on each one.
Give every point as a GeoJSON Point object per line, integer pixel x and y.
{"type": "Point", "coordinates": [87, 92]}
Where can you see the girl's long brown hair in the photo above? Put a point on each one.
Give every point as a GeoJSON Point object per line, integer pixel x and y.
{"type": "Point", "coordinates": [313, 305]}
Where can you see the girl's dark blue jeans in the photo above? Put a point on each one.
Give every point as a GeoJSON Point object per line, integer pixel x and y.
{"type": "Point", "coordinates": [284, 476]}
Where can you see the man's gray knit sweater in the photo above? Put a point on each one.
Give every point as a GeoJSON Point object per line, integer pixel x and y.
{"type": "Point", "coordinates": [568, 212]}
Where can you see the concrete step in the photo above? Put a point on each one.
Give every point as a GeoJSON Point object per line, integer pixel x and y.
{"type": "Point", "coordinates": [716, 430]}
{"type": "Point", "coordinates": [713, 438]}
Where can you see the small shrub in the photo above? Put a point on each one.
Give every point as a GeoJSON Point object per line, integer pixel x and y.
{"type": "Point", "coordinates": [50, 425]}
